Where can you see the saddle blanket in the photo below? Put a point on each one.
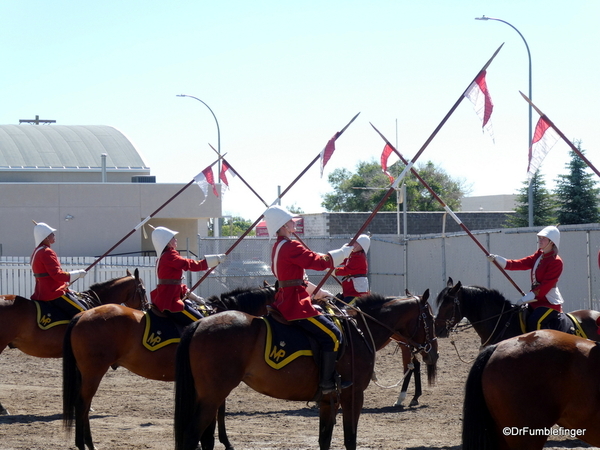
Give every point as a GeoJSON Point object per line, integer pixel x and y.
{"type": "Point", "coordinates": [284, 343]}
{"type": "Point", "coordinates": [48, 315]}
{"type": "Point", "coordinates": [160, 331]}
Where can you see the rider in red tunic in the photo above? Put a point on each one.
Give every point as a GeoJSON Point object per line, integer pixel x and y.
{"type": "Point", "coordinates": [170, 295]}
{"type": "Point", "coordinates": [51, 282]}
{"type": "Point", "coordinates": [289, 259]}
{"type": "Point", "coordinates": [546, 267]}
{"type": "Point", "coordinates": [354, 270]}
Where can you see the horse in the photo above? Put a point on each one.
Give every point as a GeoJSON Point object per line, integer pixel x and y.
{"type": "Point", "coordinates": [19, 326]}
{"type": "Point", "coordinates": [112, 336]}
{"type": "Point", "coordinates": [493, 317]}
{"type": "Point", "coordinates": [216, 354]}
{"type": "Point", "coordinates": [518, 389]}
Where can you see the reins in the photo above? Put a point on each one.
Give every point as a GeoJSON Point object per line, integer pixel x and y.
{"type": "Point", "coordinates": [456, 324]}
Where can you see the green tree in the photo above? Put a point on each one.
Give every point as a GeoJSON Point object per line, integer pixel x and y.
{"type": "Point", "coordinates": [544, 206]}
{"type": "Point", "coordinates": [363, 190]}
{"type": "Point", "coordinates": [234, 227]}
{"type": "Point", "coordinates": [576, 193]}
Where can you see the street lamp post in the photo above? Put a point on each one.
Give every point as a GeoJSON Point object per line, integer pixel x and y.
{"type": "Point", "coordinates": [530, 190]}
{"type": "Point", "coordinates": [216, 227]}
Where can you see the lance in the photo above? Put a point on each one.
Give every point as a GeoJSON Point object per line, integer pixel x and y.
{"type": "Point", "coordinates": [143, 222]}
{"type": "Point", "coordinates": [411, 163]}
{"type": "Point", "coordinates": [448, 210]}
{"type": "Point", "coordinates": [235, 244]}
{"type": "Point", "coordinates": [261, 199]}
{"type": "Point", "coordinates": [560, 133]}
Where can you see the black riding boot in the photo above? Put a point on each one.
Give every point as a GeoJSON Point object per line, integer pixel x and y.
{"type": "Point", "coordinates": [328, 375]}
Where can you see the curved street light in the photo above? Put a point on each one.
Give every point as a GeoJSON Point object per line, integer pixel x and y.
{"type": "Point", "coordinates": [217, 222]}
{"type": "Point", "coordinates": [530, 190]}
{"type": "Point", "coordinates": [218, 129]}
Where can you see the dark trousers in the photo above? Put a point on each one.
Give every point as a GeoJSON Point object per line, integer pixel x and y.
{"type": "Point", "coordinates": [543, 318]}
{"type": "Point", "coordinates": [323, 330]}
{"type": "Point", "coordinates": [185, 317]}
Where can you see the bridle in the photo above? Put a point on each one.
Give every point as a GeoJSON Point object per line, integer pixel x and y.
{"type": "Point", "coordinates": [414, 346]}
{"type": "Point", "coordinates": [139, 293]}
{"type": "Point", "coordinates": [452, 324]}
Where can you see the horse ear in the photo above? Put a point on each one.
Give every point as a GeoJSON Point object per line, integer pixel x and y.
{"type": "Point", "coordinates": [128, 272]}
{"type": "Point", "coordinates": [425, 296]}
{"type": "Point", "coordinates": [408, 294]}
{"type": "Point", "coordinates": [136, 273]}
{"type": "Point", "coordinates": [455, 288]}
{"type": "Point", "coordinates": [450, 283]}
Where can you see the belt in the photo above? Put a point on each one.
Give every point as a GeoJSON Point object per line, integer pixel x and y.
{"type": "Point", "coordinates": [288, 283]}
{"type": "Point", "coordinates": [168, 281]}
{"type": "Point", "coordinates": [40, 275]}
{"type": "Point", "coordinates": [347, 277]}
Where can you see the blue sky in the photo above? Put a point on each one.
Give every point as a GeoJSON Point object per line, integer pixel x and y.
{"type": "Point", "coordinates": [283, 77]}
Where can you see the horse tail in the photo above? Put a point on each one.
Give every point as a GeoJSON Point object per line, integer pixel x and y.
{"type": "Point", "coordinates": [185, 390]}
{"type": "Point", "coordinates": [478, 425]}
{"type": "Point", "coordinates": [71, 378]}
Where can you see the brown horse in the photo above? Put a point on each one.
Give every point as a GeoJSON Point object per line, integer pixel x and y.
{"type": "Point", "coordinates": [493, 317]}
{"type": "Point", "coordinates": [518, 389]}
{"type": "Point", "coordinates": [111, 336]}
{"type": "Point", "coordinates": [218, 353]}
{"type": "Point", "coordinates": [19, 328]}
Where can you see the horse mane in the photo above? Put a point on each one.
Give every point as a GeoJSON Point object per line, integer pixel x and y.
{"type": "Point", "coordinates": [249, 300]}
{"type": "Point", "coordinates": [373, 302]}
{"type": "Point", "coordinates": [490, 295]}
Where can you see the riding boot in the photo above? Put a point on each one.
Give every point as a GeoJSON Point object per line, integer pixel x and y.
{"type": "Point", "coordinates": [328, 376]}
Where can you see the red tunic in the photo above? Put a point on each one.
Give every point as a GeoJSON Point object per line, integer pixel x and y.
{"type": "Point", "coordinates": [54, 281]}
{"type": "Point", "coordinates": [294, 302]}
{"type": "Point", "coordinates": [170, 266]}
{"type": "Point", "coordinates": [546, 275]}
{"type": "Point", "coordinates": [355, 264]}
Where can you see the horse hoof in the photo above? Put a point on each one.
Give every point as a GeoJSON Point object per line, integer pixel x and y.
{"type": "Point", "coordinates": [4, 411]}
{"type": "Point", "coordinates": [414, 403]}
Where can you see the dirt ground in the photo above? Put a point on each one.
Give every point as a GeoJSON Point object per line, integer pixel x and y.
{"type": "Point", "coordinates": [133, 413]}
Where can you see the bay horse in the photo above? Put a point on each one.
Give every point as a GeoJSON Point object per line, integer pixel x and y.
{"type": "Point", "coordinates": [518, 389]}
{"type": "Point", "coordinates": [112, 336]}
{"type": "Point", "coordinates": [18, 317]}
{"type": "Point", "coordinates": [493, 317]}
{"type": "Point", "coordinates": [217, 353]}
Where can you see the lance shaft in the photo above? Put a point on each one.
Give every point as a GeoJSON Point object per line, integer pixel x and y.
{"type": "Point", "coordinates": [448, 210]}
{"type": "Point", "coordinates": [138, 226]}
{"type": "Point", "coordinates": [235, 244]}
{"type": "Point", "coordinates": [412, 162]}
{"type": "Point", "coordinates": [264, 202]}
{"type": "Point", "coordinates": [560, 133]}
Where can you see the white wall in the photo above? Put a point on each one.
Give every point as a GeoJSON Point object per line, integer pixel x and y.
{"type": "Point", "coordinates": [103, 213]}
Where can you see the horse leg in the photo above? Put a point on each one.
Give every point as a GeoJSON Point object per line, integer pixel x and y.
{"type": "Point", "coordinates": [418, 391]}
{"type": "Point", "coordinates": [223, 439]}
{"type": "Point", "coordinates": [351, 407]}
{"type": "Point", "coordinates": [207, 440]}
{"type": "Point", "coordinates": [408, 371]}
{"type": "Point", "coordinates": [327, 412]}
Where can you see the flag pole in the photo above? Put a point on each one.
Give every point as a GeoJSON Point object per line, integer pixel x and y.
{"type": "Point", "coordinates": [235, 244]}
{"type": "Point", "coordinates": [143, 222]}
{"type": "Point", "coordinates": [411, 163]}
{"type": "Point", "coordinates": [264, 202]}
{"type": "Point", "coordinates": [560, 133]}
{"type": "Point", "coordinates": [449, 210]}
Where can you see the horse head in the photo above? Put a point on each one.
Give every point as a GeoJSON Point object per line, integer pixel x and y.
{"type": "Point", "coordinates": [128, 291]}
{"type": "Point", "coordinates": [448, 304]}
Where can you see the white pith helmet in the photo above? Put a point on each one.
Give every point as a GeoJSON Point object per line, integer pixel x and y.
{"type": "Point", "coordinates": [161, 236]}
{"type": "Point", "coordinates": [41, 231]}
{"type": "Point", "coordinates": [276, 217]}
{"type": "Point", "coordinates": [364, 241]}
{"type": "Point", "coordinates": [551, 233]}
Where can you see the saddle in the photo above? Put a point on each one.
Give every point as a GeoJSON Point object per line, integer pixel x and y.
{"type": "Point", "coordinates": [285, 342]}
{"type": "Point", "coordinates": [570, 324]}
